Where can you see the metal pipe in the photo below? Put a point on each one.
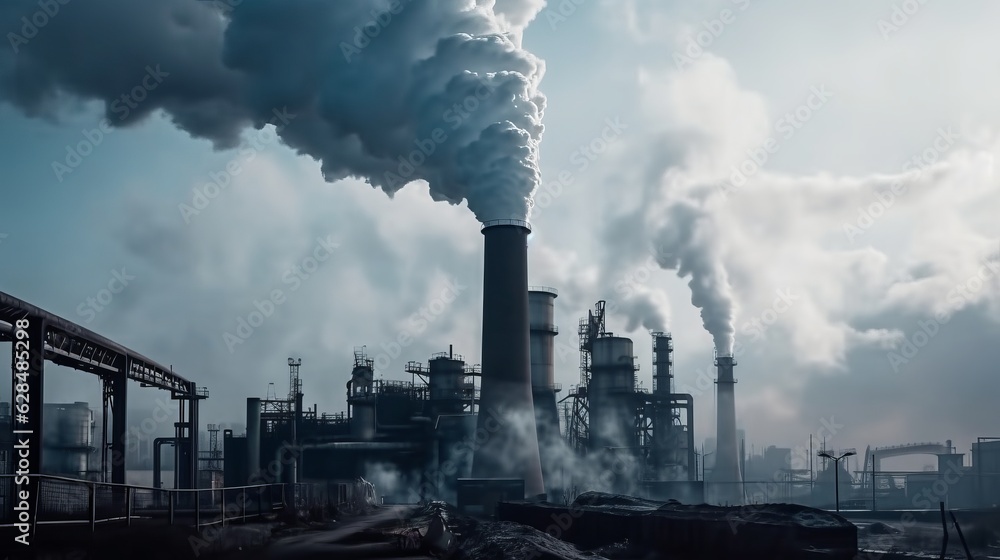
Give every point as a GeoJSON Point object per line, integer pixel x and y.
{"type": "Point", "coordinates": [688, 399]}
{"type": "Point", "coordinates": [93, 507]}
{"type": "Point", "coordinates": [157, 464]}
{"type": "Point", "coordinates": [193, 422]}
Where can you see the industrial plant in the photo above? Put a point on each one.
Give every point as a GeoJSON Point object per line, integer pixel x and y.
{"type": "Point", "coordinates": [454, 425]}
{"type": "Point", "coordinates": [492, 440]}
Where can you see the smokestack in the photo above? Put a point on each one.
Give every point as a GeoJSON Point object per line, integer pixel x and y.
{"type": "Point", "coordinates": [726, 474]}
{"type": "Point", "coordinates": [253, 437]}
{"type": "Point", "coordinates": [506, 414]}
{"type": "Point", "coordinates": [541, 319]}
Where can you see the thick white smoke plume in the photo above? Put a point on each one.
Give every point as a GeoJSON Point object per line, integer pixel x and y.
{"type": "Point", "coordinates": [681, 226]}
{"type": "Point", "coordinates": [687, 232]}
{"type": "Point", "coordinates": [625, 277]}
{"type": "Point", "coordinates": [388, 91]}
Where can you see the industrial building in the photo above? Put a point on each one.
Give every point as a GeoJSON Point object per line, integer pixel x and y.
{"type": "Point", "coordinates": [453, 423]}
{"type": "Point", "coordinates": [408, 428]}
{"type": "Point", "coordinates": [615, 421]}
{"type": "Point", "coordinates": [68, 440]}
{"type": "Point", "coordinates": [423, 431]}
{"type": "Point", "coordinates": [456, 431]}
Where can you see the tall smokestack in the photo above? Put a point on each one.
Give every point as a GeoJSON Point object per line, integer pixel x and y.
{"type": "Point", "coordinates": [541, 319]}
{"type": "Point", "coordinates": [726, 474]}
{"type": "Point", "coordinates": [506, 414]}
{"type": "Point", "coordinates": [253, 437]}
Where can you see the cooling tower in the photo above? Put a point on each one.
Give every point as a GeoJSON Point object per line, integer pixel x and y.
{"type": "Point", "coordinates": [541, 319]}
{"type": "Point", "coordinates": [726, 478]}
{"type": "Point", "coordinates": [506, 444]}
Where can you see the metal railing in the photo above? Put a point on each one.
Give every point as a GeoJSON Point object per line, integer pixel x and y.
{"type": "Point", "coordinates": [60, 500]}
{"type": "Point", "coordinates": [554, 387]}
{"type": "Point", "coordinates": [548, 289]}
{"type": "Point", "coordinates": [506, 222]}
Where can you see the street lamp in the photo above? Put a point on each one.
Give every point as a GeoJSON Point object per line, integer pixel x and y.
{"type": "Point", "coordinates": [836, 473]}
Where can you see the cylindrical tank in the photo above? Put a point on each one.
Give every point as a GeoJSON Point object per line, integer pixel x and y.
{"type": "Point", "coordinates": [362, 402]}
{"type": "Point", "coordinates": [506, 411]}
{"type": "Point", "coordinates": [68, 438]}
{"type": "Point", "coordinates": [541, 321]}
{"type": "Point", "coordinates": [395, 404]}
{"type": "Point", "coordinates": [445, 383]}
{"type": "Point", "coordinates": [611, 394]}
{"type": "Point", "coordinates": [613, 362]}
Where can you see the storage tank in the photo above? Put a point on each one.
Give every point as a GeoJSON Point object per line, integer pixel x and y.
{"type": "Point", "coordinates": [396, 402]}
{"type": "Point", "coordinates": [611, 394]}
{"type": "Point", "coordinates": [446, 382]}
{"type": "Point", "coordinates": [541, 317]}
{"type": "Point", "coordinates": [543, 331]}
{"type": "Point", "coordinates": [68, 439]}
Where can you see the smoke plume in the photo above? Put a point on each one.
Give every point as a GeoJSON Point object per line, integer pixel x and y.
{"type": "Point", "coordinates": [387, 91]}
{"type": "Point", "coordinates": [692, 249]}
{"type": "Point", "coordinates": [571, 473]}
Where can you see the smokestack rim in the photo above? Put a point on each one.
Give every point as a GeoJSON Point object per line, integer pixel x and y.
{"type": "Point", "coordinates": [543, 290]}
{"type": "Point", "coordinates": [505, 223]}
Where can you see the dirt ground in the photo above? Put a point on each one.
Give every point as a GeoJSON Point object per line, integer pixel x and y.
{"type": "Point", "coordinates": [925, 539]}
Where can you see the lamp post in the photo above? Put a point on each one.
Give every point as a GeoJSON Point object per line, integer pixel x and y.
{"type": "Point", "coordinates": [703, 457]}
{"type": "Point", "coordinates": [836, 473]}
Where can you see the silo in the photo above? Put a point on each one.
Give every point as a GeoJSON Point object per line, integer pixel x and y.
{"type": "Point", "coordinates": [68, 439]}
{"type": "Point", "coordinates": [506, 415]}
{"type": "Point", "coordinates": [611, 394]}
{"type": "Point", "coordinates": [543, 331]}
{"type": "Point", "coordinates": [446, 383]}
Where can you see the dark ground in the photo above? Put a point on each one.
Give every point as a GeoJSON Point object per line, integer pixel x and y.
{"type": "Point", "coordinates": [434, 531]}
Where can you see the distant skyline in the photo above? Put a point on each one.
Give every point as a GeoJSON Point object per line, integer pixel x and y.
{"type": "Point", "coordinates": [828, 170]}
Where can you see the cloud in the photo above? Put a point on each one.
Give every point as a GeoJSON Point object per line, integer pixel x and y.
{"type": "Point", "coordinates": [924, 230]}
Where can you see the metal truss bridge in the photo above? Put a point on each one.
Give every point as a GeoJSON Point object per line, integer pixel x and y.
{"type": "Point", "coordinates": [41, 336]}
